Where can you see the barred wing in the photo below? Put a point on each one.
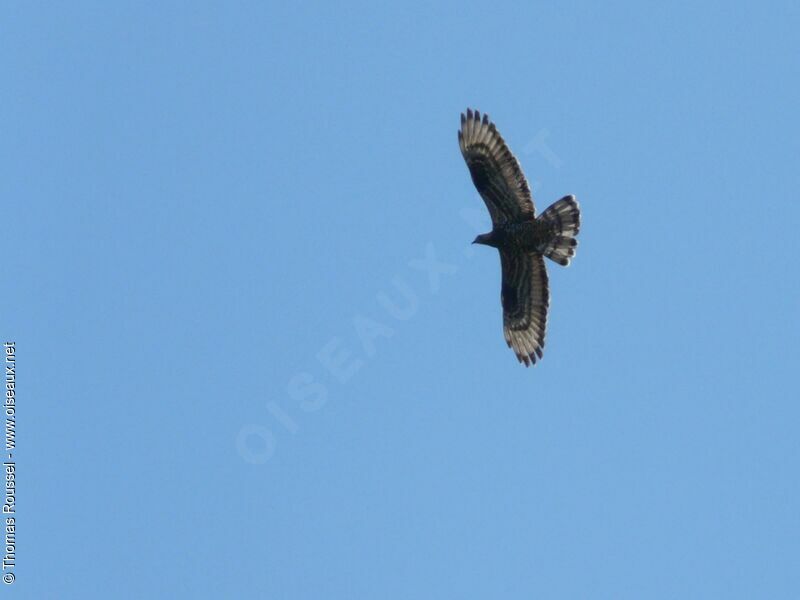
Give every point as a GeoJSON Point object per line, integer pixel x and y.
{"type": "Point", "coordinates": [494, 170]}
{"type": "Point", "coordinates": [525, 297]}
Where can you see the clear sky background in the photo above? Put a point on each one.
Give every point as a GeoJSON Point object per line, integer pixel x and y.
{"type": "Point", "coordinates": [200, 200]}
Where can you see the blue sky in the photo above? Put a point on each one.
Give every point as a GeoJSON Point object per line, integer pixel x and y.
{"type": "Point", "coordinates": [238, 375]}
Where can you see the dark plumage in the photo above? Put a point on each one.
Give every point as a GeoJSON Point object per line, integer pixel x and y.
{"type": "Point", "coordinates": [522, 238]}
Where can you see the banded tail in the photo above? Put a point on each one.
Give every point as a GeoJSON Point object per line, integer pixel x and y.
{"type": "Point", "coordinates": [564, 218]}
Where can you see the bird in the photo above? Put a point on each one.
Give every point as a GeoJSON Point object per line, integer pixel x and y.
{"type": "Point", "coordinates": [522, 238]}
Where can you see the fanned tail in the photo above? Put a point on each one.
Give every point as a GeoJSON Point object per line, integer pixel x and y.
{"type": "Point", "coordinates": [564, 217]}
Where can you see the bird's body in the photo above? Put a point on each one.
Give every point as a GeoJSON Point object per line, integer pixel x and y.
{"type": "Point", "coordinates": [522, 238]}
{"type": "Point", "coordinates": [530, 235]}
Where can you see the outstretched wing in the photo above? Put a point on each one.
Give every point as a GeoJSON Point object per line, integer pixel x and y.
{"type": "Point", "coordinates": [525, 297]}
{"type": "Point", "coordinates": [494, 170]}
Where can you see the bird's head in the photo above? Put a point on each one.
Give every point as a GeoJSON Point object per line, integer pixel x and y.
{"type": "Point", "coordinates": [487, 239]}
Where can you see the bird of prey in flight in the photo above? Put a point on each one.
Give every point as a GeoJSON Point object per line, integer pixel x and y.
{"type": "Point", "coordinates": [522, 238]}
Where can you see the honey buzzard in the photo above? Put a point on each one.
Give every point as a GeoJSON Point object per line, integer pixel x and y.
{"type": "Point", "coordinates": [522, 238]}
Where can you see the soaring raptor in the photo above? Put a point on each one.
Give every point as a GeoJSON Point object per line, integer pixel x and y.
{"type": "Point", "coordinates": [522, 238]}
